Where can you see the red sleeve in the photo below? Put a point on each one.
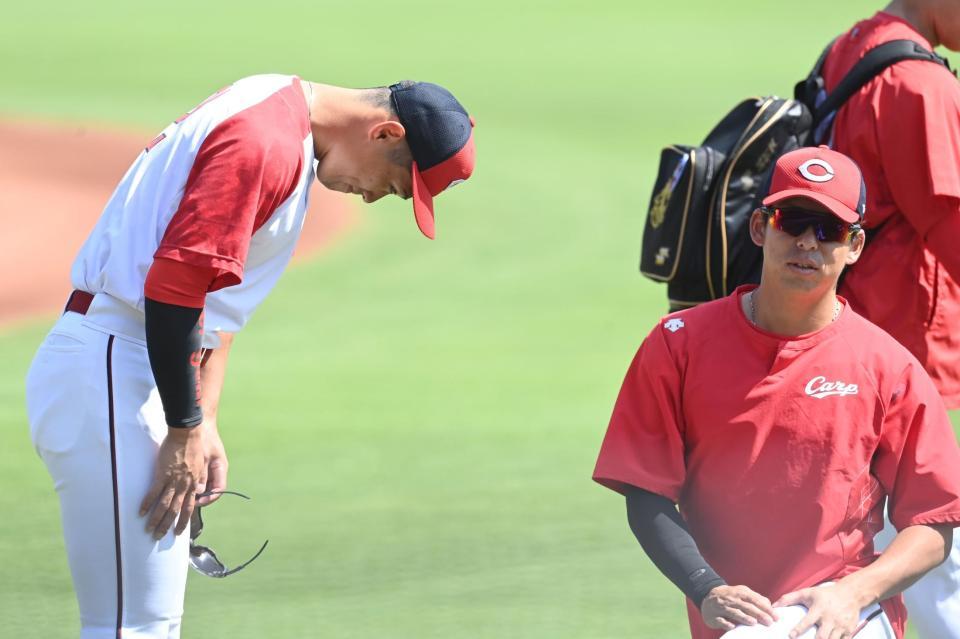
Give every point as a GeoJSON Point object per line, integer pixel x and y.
{"type": "Point", "coordinates": [644, 444]}
{"type": "Point", "coordinates": [238, 179]}
{"type": "Point", "coordinates": [918, 130]}
{"type": "Point", "coordinates": [918, 459]}
{"type": "Point", "coordinates": [178, 283]}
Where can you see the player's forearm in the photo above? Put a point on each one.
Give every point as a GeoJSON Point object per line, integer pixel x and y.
{"type": "Point", "coordinates": [173, 345]}
{"type": "Point", "coordinates": [663, 535]}
{"type": "Point", "coordinates": [913, 552]}
{"type": "Point", "coordinates": [212, 374]}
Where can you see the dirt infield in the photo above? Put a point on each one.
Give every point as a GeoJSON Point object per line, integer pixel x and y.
{"type": "Point", "coordinates": [54, 181]}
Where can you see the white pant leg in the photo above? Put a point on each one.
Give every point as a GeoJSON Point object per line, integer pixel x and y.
{"type": "Point", "coordinates": [875, 625]}
{"type": "Point", "coordinates": [933, 603]}
{"type": "Point", "coordinates": [101, 474]}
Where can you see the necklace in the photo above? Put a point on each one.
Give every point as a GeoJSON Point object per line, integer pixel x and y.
{"type": "Point", "coordinates": [753, 309]}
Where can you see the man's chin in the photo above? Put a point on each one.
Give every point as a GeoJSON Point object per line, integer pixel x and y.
{"type": "Point", "coordinates": [801, 282]}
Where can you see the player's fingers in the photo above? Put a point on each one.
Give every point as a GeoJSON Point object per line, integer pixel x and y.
{"type": "Point", "coordinates": [761, 603]}
{"type": "Point", "coordinates": [757, 613]}
{"type": "Point", "coordinates": [791, 598]}
{"type": "Point", "coordinates": [151, 497]}
{"type": "Point", "coordinates": [808, 621]}
{"type": "Point", "coordinates": [826, 630]}
{"type": "Point", "coordinates": [200, 485]}
{"type": "Point", "coordinates": [160, 506]}
{"type": "Point", "coordinates": [723, 624]}
{"type": "Point", "coordinates": [217, 474]}
{"type": "Point", "coordinates": [208, 499]}
{"type": "Point", "coordinates": [171, 512]}
{"type": "Point", "coordinates": [717, 622]}
{"type": "Point", "coordinates": [186, 510]}
{"type": "Point", "coordinates": [843, 631]}
{"type": "Point", "coordinates": [788, 599]}
{"type": "Point", "coordinates": [216, 483]}
{"type": "Point", "coordinates": [838, 633]}
{"type": "Point", "coordinates": [739, 616]}
{"type": "Point", "coordinates": [164, 525]}
{"type": "Point", "coordinates": [200, 481]}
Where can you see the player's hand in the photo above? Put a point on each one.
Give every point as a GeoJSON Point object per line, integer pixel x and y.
{"type": "Point", "coordinates": [834, 609]}
{"type": "Point", "coordinates": [727, 606]}
{"type": "Point", "coordinates": [180, 474]}
{"type": "Point", "coordinates": [216, 462]}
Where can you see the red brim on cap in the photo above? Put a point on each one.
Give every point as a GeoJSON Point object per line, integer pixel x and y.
{"type": "Point", "coordinates": [422, 204]}
{"type": "Point", "coordinates": [835, 206]}
{"type": "Point", "coordinates": [438, 178]}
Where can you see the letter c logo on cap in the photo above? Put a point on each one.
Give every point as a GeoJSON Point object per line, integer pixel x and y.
{"type": "Point", "coordinates": [826, 176]}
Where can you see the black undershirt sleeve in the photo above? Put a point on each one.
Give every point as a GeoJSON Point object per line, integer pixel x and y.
{"type": "Point", "coordinates": [663, 535]}
{"type": "Point", "coordinates": [174, 336]}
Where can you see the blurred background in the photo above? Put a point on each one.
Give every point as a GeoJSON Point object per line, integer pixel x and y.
{"type": "Point", "coordinates": [416, 422]}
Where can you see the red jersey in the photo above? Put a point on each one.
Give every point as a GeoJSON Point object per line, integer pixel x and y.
{"type": "Point", "coordinates": [216, 202]}
{"type": "Point", "coordinates": [903, 129]}
{"type": "Point", "coordinates": [779, 450]}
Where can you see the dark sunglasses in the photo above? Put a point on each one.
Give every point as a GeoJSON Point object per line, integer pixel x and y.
{"type": "Point", "coordinates": [795, 221]}
{"type": "Point", "coordinates": [203, 559]}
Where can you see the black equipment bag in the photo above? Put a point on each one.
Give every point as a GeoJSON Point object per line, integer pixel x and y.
{"type": "Point", "coordinates": [696, 238]}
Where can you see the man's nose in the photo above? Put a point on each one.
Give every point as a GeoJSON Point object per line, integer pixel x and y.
{"type": "Point", "coordinates": [808, 239]}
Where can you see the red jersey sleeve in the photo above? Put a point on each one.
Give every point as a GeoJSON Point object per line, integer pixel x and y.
{"type": "Point", "coordinates": [238, 179]}
{"type": "Point", "coordinates": [644, 445]}
{"type": "Point", "coordinates": [918, 133]}
{"type": "Point", "coordinates": [918, 459]}
{"type": "Point", "coordinates": [178, 283]}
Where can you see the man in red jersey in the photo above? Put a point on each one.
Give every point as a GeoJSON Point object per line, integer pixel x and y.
{"type": "Point", "coordinates": [781, 421]}
{"type": "Point", "coordinates": [903, 129]}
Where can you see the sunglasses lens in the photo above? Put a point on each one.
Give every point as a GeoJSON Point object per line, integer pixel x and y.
{"type": "Point", "coordinates": [205, 561]}
{"type": "Point", "coordinates": [202, 558]}
{"type": "Point", "coordinates": [795, 222]}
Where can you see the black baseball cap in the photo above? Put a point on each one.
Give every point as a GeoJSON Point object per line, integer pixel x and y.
{"type": "Point", "coordinates": [439, 132]}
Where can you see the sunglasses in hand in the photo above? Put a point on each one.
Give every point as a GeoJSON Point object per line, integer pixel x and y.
{"type": "Point", "coordinates": [796, 221]}
{"type": "Point", "coordinates": [203, 559]}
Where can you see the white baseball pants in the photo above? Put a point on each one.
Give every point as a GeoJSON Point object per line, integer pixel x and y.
{"type": "Point", "coordinates": [97, 423]}
{"type": "Point", "coordinates": [873, 625]}
{"type": "Point", "coordinates": [933, 603]}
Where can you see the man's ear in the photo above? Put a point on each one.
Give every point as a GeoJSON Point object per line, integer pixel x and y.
{"type": "Point", "coordinates": [390, 130]}
{"type": "Point", "coordinates": [856, 247]}
{"type": "Point", "coordinates": [758, 227]}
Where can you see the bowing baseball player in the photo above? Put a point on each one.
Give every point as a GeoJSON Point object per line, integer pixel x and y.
{"type": "Point", "coordinates": [780, 422]}
{"type": "Point", "coordinates": [122, 395]}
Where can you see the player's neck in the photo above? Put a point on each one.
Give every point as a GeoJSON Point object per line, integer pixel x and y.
{"type": "Point", "coordinates": [918, 15]}
{"type": "Point", "coordinates": [789, 313]}
{"type": "Point", "coordinates": [336, 113]}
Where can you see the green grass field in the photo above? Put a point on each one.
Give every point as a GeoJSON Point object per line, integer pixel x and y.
{"type": "Point", "coordinates": [417, 422]}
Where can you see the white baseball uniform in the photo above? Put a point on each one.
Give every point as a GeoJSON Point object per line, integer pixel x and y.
{"type": "Point", "coordinates": [223, 187]}
{"type": "Point", "coordinates": [873, 625]}
{"type": "Point", "coordinates": [934, 601]}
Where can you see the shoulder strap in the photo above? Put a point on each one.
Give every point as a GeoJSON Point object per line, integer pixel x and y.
{"type": "Point", "coordinates": [871, 65]}
{"type": "Point", "coordinates": [806, 90]}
